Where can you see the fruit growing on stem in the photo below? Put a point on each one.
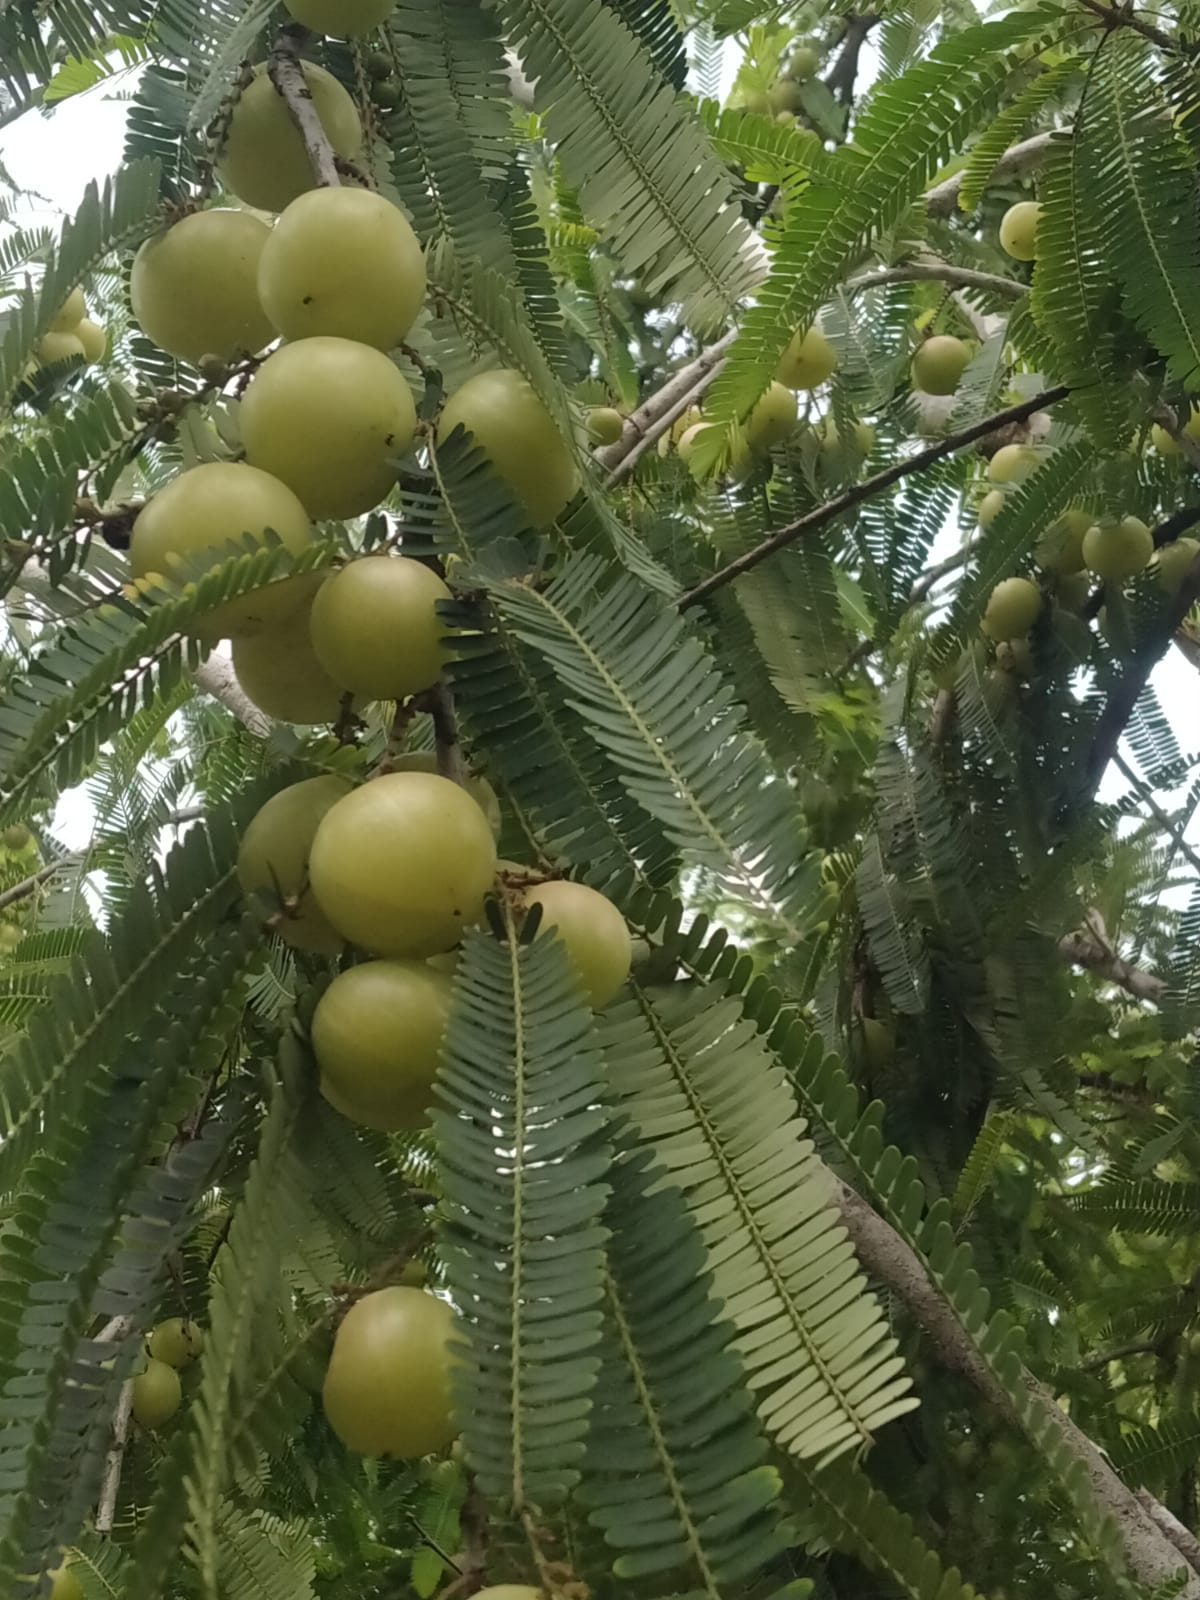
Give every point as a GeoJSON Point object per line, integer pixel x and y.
{"type": "Point", "coordinates": [376, 630]}
{"type": "Point", "coordinates": [194, 288]}
{"type": "Point", "coordinates": [157, 1394]}
{"type": "Point", "coordinates": [604, 425]}
{"type": "Point", "coordinates": [939, 363]}
{"type": "Point", "coordinates": [772, 420]}
{"type": "Point", "coordinates": [593, 932]}
{"type": "Point", "coordinates": [1012, 609]}
{"type": "Point", "coordinates": [273, 858]}
{"type": "Point", "coordinates": [1117, 549]}
{"type": "Point", "coordinates": [1012, 463]}
{"type": "Point", "coordinates": [263, 160]}
{"type": "Point", "coordinates": [387, 1388]}
{"type": "Point", "coordinates": [1018, 230]}
{"type": "Point", "coordinates": [478, 788]}
{"type": "Point", "coordinates": [279, 671]}
{"type": "Point", "coordinates": [93, 339]}
{"type": "Point", "coordinates": [517, 434]}
{"type": "Point", "coordinates": [808, 361]}
{"type": "Point", "coordinates": [1174, 563]}
{"type": "Point", "coordinates": [70, 314]}
{"type": "Point", "coordinates": [176, 1341]}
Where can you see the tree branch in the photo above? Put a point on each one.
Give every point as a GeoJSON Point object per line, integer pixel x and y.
{"type": "Point", "coordinates": [1152, 1557]}
{"type": "Point", "coordinates": [938, 272]}
{"type": "Point", "coordinates": [857, 493]}
{"type": "Point", "coordinates": [1091, 949]}
{"type": "Point", "coordinates": [217, 678]}
{"type": "Point", "coordinates": [110, 1484]}
{"type": "Point", "coordinates": [27, 886]}
{"type": "Point", "coordinates": [841, 77]}
{"type": "Point", "coordinates": [286, 73]}
{"type": "Point", "coordinates": [1160, 816]}
{"type": "Point", "coordinates": [1126, 19]}
{"type": "Point", "coordinates": [656, 414]}
{"type": "Point", "coordinates": [1120, 1352]}
{"type": "Point", "coordinates": [1182, 1538]}
{"type": "Point", "coordinates": [440, 705]}
{"type": "Point", "coordinates": [942, 199]}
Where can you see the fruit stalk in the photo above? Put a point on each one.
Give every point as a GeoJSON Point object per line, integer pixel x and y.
{"type": "Point", "coordinates": [445, 734]}
{"type": "Point", "coordinates": [285, 73]}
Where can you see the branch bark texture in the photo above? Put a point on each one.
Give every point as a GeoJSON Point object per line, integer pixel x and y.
{"type": "Point", "coordinates": [287, 74]}
{"type": "Point", "coordinates": [217, 678]}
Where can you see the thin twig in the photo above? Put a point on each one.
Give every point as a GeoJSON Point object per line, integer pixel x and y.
{"type": "Point", "coordinates": [1081, 949]}
{"type": "Point", "coordinates": [27, 886]}
{"type": "Point", "coordinates": [1126, 19]}
{"type": "Point", "coordinates": [287, 75]}
{"type": "Point", "coordinates": [440, 705]}
{"type": "Point", "coordinates": [941, 569]}
{"type": "Point", "coordinates": [686, 385]}
{"type": "Point", "coordinates": [937, 272]}
{"type": "Point", "coordinates": [110, 1484]}
{"type": "Point", "coordinates": [857, 493]}
{"type": "Point", "coordinates": [1120, 1352]}
{"type": "Point", "coordinates": [1177, 838]}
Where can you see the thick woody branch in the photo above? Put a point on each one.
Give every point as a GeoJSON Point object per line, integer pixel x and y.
{"type": "Point", "coordinates": [1182, 1538]}
{"type": "Point", "coordinates": [1082, 949]}
{"type": "Point", "coordinates": [287, 75]}
{"type": "Point", "coordinates": [831, 510]}
{"type": "Point", "coordinates": [1152, 1556]}
{"type": "Point", "coordinates": [1018, 159]}
{"type": "Point", "coordinates": [217, 678]}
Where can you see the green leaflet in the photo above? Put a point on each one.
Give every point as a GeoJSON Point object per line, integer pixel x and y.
{"type": "Point", "coordinates": [897, 945]}
{"type": "Point", "coordinates": [906, 131]}
{"type": "Point", "coordinates": [1140, 184]}
{"type": "Point", "coordinates": [658, 195]}
{"type": "Point", "coordinates": [675, 1468]}
{"type": "Point", "coordinates": [700, 1088]}
{"type": "Point", "coordinates": [625, 660]}
{"type": "Point", "coordinates": [519, 1089]}
{"type": "Point", "coordinates": [1007, 128]}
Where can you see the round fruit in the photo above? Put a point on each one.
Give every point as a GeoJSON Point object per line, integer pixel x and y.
{"type": "Point", "coordinates": [1175, 561]}
{"type": "Point", "coordinates": [1060, 549]}
{"type": "Point", "coordinates": [402, 865]}
{"type": "Point", "coordinates": [592, 930]}
{"type": "Point", "coordinates": [877, 1040]}
{"type": "Point", "coordinates": [157, 1395]}
{"type": "Point", "coordinates": [16, 836]}
{"type": "Point", "coordinates": [1012, 609]}
{"type": "Point", "coordinates": [858, 442]}
{"type": "Point", "coordinates": [1115, 550]}
{"type": "Point", "coordinates": [273, 858]}
{"type": "Point", "coordinates": [604, 425]}
{"type": "Point", "coordinates": [93, 339]}
{"type": "Point", "coordinates": [264, 161]}
{"type": "Point", "coordinates": [803, 62]}
{"type": "Point", "coordinates": [479, 789]}
{"type": "Point", "coordinates": [63, 1584]}
{"type": "Point", "coordinates": [688, 442]}
{"type": "Point", "coordinates": [1011, 463]}
{"type": "Point", "coordinates": [990, 507]}
{"type": "Point", "coordinates": [808, 361]}
{"type": "Point", "coordinates": [1018, 230]}
{"type": "Point", "coordinates": [517, 434]}
{"type": "Point", "coordinates": [772, 419]}
{"type": "Point", "coordinates": [785, 96]}
{"type": "Point", "coordinates": [281, 674]}
{"type": "Point", "coordinates": [194, 288]}
{"type": "Point", "coordinates": [54, 347]}
{"type": "Point", "coordinates": [200, 513]}
{"type": "Point", "coordinates": [387, 1389]}
{"type": "Point", "coordinates": [346, 18]}
{"type": "Point", "coordinates": [377, 1035]}
{"type": "Point", "coordinates": [328, 417]}
{"type": "Point", "coordinates": [70, 314]}
{"type": "Point", "coordinates": [10, 937]}
{"type": "Point", "coordinates": [176, 1341]}
{"type": "Point", "coordinates": [939, 363]}
{"type": "Point", "coordinates": [690, 419]}
{"type": "Point", "coordinates": [414, 1274]}
{"type": "Point", "coordinates": [345, 262]}
{"type": "Point", "coordinates": [375, 627]}
{"type": "Point", "coordinates": [1163, 441]}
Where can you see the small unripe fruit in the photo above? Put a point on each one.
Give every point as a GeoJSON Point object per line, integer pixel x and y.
{"type": "Point", "coordinates": [593, 932]}
{"type": "Point", "coordinates": [1165, 444]}
{"type": "Point", "coordinates": [274, 854]}
{"type": "Point", "coordinates": [518, 435]}
{"type": "Point", "coordinates": [16, 836]}
{"type": "Point", "coordinates": [1060, 549]}
{"type": "Point", "coordinates": [990, 507]}
{"type": "Point", "coordinates": [157, 1395]}
{"type": "Point", "coordinates": [785, 95]}
{"type": "Point", "coordinates": [194, 288]}
{"type": "Point", "coordinates": [772, 420]}
{"type": "Point", "coordinates": [375, 627]}
{"type": "Point", "coordinates": [690, 419]}
{"type": "Point", "coordinates": [604, 425]}
{"type": "Point", "coordinates": [344, 18]}
{"type": "Point", "coordinates": [1116, 550]}
{"type": "Point", "coordinates": [939, 363]}
{"type": "Point", "coordinates": [54, 347]}
{"type": "Point", "coordinates": [387, 1388]}
{"type": "Point", "coordinates": [64, 1585]}
{"type": "Point", "coordinates": [1012, 609]}
{"type": "Point", "coordinates": [176, 1341]}
{"type": "Point", "coordinates": [93, 339]}
{"type": "Point", "coordinates": [1018, 230]}
{"type": "Point", "coordinates": [808, 361]}
{"type": "Point", "coordinates": [803, 62]}
{"type": "Point", "coordinates": [70, 314]}
{"type": "Point", "coordinates": [329, 417]}
{"type": "Point", "coordinates": [877, 1042]}
{"type": "Point", "coordinates": [343, 262]}
{"type": "Point", "coordinates": [1011, 463]}
{"type": "Point", "coordinates": [264, 161]}
{"type": "Point", "coordinates": [1174, 563]}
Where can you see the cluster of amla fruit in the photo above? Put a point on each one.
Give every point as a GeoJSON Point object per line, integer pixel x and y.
{"type": "Point", "coordinates": [783, 99]}
{"type": "Point", "coordinates": [73, 336]}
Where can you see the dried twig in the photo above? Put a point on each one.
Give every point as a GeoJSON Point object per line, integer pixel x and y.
{"type": "Point", "coordinates": [110, 1483]}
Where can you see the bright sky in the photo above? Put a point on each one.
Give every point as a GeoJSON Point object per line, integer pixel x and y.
{"type": "Point", "coordinates": [56, 156]}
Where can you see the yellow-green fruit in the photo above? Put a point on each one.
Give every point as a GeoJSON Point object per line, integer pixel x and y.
{"type": "Point", "coordinates": [387, 1388]}
{"type": "Point", "coordinates": [345, 18]}
{"type": "Point", "coordinates": [401, 866]}
{"type": "Point", "coordinates": [93, 339]}
{"type": "Point", "coordinates": [1011, 463]}
{"type": "Point", "coordinates": [273, 858]}
{"type": "Point", "coordinates": [377, 1035]}
{"type": "Point", "coordinates": [157, 1394]}
{"type": "Point", "coordinates": [1163, 441]}
{"type": "Point", "coordinates": [1060, 549]}
{"type": "Point", "coordinates": [1174, 562]}
{"type": "Point", "coordinates": [1018, 230]}
{"type": "Point", "coordinates": [517, 434]}
{"type": "Point", "coordinates": [63, 1584]}
{"type": "Point", "coordinates": [772, 419]}
{"type": "Point", "coordinates": [808, 361]}
{"type": "Point", "coordinates": [329, 417]}
{"type": "Point", "coordinates": [859, 441]}
{"type": "Point", "coordinates": [279, 670]}
{"type": "Point", "coordinates": [375, 627]}
{"type": "Point", "coordinates": [990, 507]}
{"type": "Point", "coordinates": [54, 347]}
{"type": "Point", "coordinates": [877, 1040]}
{"type": "Point", "coordinates": [687, 442]}
{"type": "Point", "coordinates": [176, 1341]}
{"type": "Point", "coordinates": [604, 425]}
{"type": "Point", "coordinates": [194, 288]}
{"type": "Point", "coordinates": [479, 789]}
{"type": "Point", "coordinates": [939, 363]}
{"type": "Point", "coordinates": [803, 62]}
{"type": "Point", "coordinates": [344, 262]}
{"type": "Point", "coordinates": [70, 314]}
{"type": "Point", "coordinates": [199, 514]}
{"type": "Point", "coordinates": [1012, 609]}
{"type": "Point", "coordinates": [264, 161]}
{"type": "Point", "coordinates": [414, 1274]}
{"type": "Point", "coordinates": [1115, 550]}
{"type": "Point", "coordinates": [592, 930]}
{"type": "Point", "coordinates": [785, 97]}
{"type": "Point", "coordinates": [10, 937]}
